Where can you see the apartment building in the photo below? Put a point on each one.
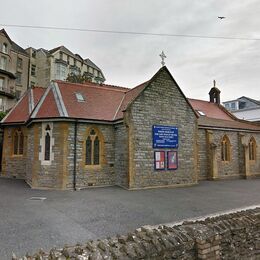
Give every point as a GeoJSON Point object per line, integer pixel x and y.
{"type": "Point", "coordinates": [244, 108]}
{"type": "Point", "coordinates": [14, 65]}
{"type": "Point", "coordinates": [57, 64]}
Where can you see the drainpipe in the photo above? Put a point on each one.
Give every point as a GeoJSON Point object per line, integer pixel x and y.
{"type": "Point", "coordinates": [75, 155]}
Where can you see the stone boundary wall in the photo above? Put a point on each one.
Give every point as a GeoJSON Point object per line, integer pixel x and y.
{"type": "Point", "coordinates": [230, 236]}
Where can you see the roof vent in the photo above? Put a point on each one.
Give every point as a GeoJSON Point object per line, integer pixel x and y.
{"type": "Point", "coordinates": [80, 97]}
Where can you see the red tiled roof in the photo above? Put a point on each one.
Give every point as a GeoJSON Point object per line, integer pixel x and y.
{"type": "Point", "coordinates": [128, 98]}
{"type": "Point", "coordinates": [48, 108]}
{"type": "Point", "coordinates": [211, 110]}
{"type": "Point", "coordinates": [106, 103]}
{"type": "Point", "coordinates": [101, 101]}
{"type": "Point", "coordinates": [20, 113]}
{"type": "Point", "coordinates": [220, 123]}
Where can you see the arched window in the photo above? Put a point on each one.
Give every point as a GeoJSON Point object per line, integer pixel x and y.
{"type": "Point", "coordinates": [252, 149]}
{"type": "Point", "coordinates": [46, 154]}
{"type": "Point", "coordinates": [93, 148]}
{"type": "Point", "coordinates": [18, 142]}
{"type": "Point", "coordinates": [225, 149]}
{"type": "Point", "coordinates": [47, 143]}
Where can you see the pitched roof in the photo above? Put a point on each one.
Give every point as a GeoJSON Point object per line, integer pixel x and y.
{"type": "Point", "coordinates": [15, 46]}
{"type": "Point", "coordinates": [210, 109]}
{"type": "Point", "coordinates": [234, 124]}
{"type": "Point", "coordinates": [6, 35]}
{"type": "Point", "coordinates": [19, 49]}
{"type": "Point", "coordinates": [217, 116]}
{"type": "Point", "coordinates": [21, 111]}
{"type": "Point", "coordinates": [104, 102]}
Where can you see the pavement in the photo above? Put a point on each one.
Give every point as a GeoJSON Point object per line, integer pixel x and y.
{"type": "Point", "coordinates": [68, 217]}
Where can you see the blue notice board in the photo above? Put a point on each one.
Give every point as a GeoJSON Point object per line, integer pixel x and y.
{"type": "Point", "coordinates": [165, 136]}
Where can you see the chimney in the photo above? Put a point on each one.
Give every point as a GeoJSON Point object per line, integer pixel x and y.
{"type": "Point", "coordinates": [214, 94]}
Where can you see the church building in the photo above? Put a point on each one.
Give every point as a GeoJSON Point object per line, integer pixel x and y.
{"type": "Point", "coordinates": [73, 136]}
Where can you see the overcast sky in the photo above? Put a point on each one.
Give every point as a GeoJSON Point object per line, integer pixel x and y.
{"type": "Point", "coordinates": [128, 60]}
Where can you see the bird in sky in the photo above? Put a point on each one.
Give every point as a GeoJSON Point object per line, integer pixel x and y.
{"type": "Point", "coordinates": [221, 17]}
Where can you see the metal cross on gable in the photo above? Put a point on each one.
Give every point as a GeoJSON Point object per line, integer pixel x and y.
{"type": "Point", "coordinates": [162, 55]}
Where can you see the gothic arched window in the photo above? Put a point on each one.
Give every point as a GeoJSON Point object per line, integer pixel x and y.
{"type": "Point", "coordinates": [47, 143]}
{"type": "Point", "coordinates": [93, 148]}
{"type": "Point", "coordinates": [252, 149]}
{"type": "Point", "coordinates": [225, 149]}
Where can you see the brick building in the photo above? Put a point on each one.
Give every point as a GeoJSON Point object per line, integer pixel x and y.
{"type": "Point", "coordinates": [80, 135]}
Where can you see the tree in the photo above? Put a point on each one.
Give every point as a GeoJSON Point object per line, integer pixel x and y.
{"type": "Point", "coordinates": [2, 115]}
{"type": "Point", "coordinates": [72, 77]}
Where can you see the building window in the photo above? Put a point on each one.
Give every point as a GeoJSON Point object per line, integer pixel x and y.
{"type": "Point", "coordinates": [252, 149]}
{"type": "Point", "coordinates": [3, 63]}
{"type": "Point", "coordinates": [18, 142]}
{"type": "Point", "coordinates": [19, 63]}
{"type": "Point", "coordinates": [93, 148]}
{"type": "Point", "coordinates": [33, 70]}
{"type": "Point", "coordinates": [5, 48]}
{"type": "Point", "coordinates": [1, 105]}
{"type": "Point", "coordinates": [225, 149]}
{"type": "Point", "coordinates": [2, 82]}
{"type": "Point", "coordinates": [46, 156]}
{"type": "Point", "coordinates": [34, 54]}
{"type": "Point", "coordinates": [32, 84]}
{"type": "Point", "coordinates": [18, 78]}
{"type": "Point", "coordinates": [18, 94]}
{"type": "Point", "coordinates": [79, 97]}
{"type": "Point", "coordinates": [61, 71]}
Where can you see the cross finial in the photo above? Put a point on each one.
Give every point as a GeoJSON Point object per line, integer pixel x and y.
{"type": "Point", "coordinates": [162, 55]}
{"type": "Point", "coordinates": [214, 83]}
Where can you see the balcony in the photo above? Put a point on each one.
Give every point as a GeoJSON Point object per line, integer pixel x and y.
{"type": "Point", "coordinates": [61, 61]}
{"type": "Point", "coordinates": [7, 92]}
{"type": "Point", "coordinates": [8, 73]}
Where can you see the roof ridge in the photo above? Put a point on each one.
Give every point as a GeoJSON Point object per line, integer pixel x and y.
{"type": "Point", "coordinates": [95, 85]}
{"type": "Point", "coordinates": [40, 102]}
{"type": "Point", "coordinates": [59, 100]}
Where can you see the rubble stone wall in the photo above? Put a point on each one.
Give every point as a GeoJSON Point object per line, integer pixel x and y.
{"type": "Point", "coordinates": [230, 236]}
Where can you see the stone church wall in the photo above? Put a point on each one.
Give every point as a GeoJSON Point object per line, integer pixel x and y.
{"type": "Point", "coordinates": [121, 155]}
{"type": "Point", "coordinates": [235, 168]}
{"type": "Point", "coordinates": [161, 103]}
{"type": "Point", "coordinates": [91, 175]}
{"type": "Point", "coordinates": [203, 156]}
{"type": "Point", "coordinates": [13, 166]}
{"type": "Point", "coordinates": [51, 176]}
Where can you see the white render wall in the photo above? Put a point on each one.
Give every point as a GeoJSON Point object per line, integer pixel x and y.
{"type": "Point", "coordinates": [248, 114]}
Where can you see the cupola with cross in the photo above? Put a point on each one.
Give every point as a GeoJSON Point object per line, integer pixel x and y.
{"type": "Point", "coordinates": [214, 94]}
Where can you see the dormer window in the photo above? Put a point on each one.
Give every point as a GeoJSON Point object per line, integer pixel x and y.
{"type": "Point", "coordinates": [80, 97]}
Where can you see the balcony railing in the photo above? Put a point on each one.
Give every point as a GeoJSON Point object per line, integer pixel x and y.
{"type": "Point", "coordinates": [7, 92]}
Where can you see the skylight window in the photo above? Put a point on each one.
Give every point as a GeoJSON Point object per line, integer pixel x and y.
{"type": "Point", "coordinates": [80, 97]}
{"type": "Point", "coordinates": [201, 113]}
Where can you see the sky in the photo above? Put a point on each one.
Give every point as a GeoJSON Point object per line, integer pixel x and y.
{"type": "Point", "coordinates": [128, 60]}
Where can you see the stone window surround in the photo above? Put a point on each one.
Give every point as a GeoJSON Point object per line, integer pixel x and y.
{"type": "Point", "coordinates": [42, 144]}
{"type": "Point", "coordinates": [252, 148]}
{"type": "Point", "coordinates": [20, 134]}
{"type": "Point", "coordinates": [225, 158]}
{"type": "Point", "coordinates": [3, 63]}
{"type": "Point", "coordinates": [101, 149]}
{"type": "Point", "coordinates": [5, 48]}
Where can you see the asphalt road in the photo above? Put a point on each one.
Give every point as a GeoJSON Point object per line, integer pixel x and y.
{"type": "Point", "coordinates": [68, 217]}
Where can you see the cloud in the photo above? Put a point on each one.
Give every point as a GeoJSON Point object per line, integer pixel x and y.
{"type": "Point", "coordinates": [131, 59]}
